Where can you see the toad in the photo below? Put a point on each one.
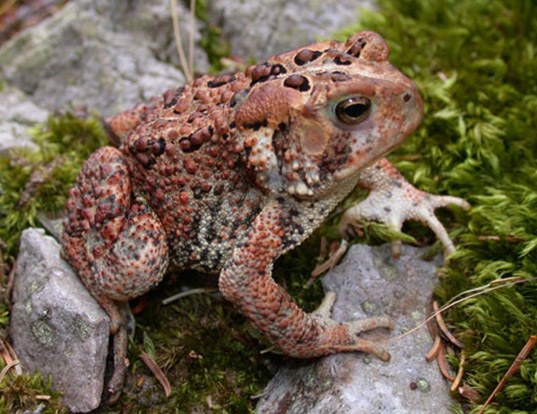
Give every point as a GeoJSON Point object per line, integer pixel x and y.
{"type": "Point", "coordinates": [227, 173]}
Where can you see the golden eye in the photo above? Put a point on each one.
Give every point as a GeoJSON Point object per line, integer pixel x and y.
{"type": "Point", "coordinates": [353, 110]}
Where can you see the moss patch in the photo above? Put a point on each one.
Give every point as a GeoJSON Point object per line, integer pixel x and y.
{"type": "Point", "coordinates": [28, 392]}
{"type": "Point", "coordinates": [207, 350]}
{"type": "Point", "coordinates": [32, 181]}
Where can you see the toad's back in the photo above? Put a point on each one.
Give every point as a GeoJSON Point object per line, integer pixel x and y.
{"type": "Point", "coordinates": [185, 160]}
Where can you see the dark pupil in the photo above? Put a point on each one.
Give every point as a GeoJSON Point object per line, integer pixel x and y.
{"type": "Point", "coordinates": [356, 110]}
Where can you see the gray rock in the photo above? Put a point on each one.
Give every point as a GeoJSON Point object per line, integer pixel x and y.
{"type": "Point", "coordinates": [17, 115]}
{"type": "Point", "coordinates": [150, 23]}
{"type": "Point", "coordinates": [56, 327]}
{"type": "Point", "coordinates": [53, 223]}
{"type": "Point", "coordinates": [369, 283]}
{"type": "Point", "coordinates": [259, 29]}
{"type": "Point", "coordinates": [97, 54]}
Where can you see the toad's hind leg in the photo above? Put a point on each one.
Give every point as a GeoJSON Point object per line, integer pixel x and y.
{"type": "Point", "coordinates": [246, 281]}
{"type": "Point", "coordinates": [115, 242]}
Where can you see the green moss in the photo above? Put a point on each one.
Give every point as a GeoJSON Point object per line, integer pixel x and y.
{"type": "Point", "coordinates": [4, 317]}
{"type": "Point", "coordinates": [474, 62]}
{"type": "Point", "coordinates": [207, 351]}
{"type": "Point", "coordinates": [32, 181]}
{"type": "Point", "coordinates": [212, 41]}
{"type": "Point", "coordinates": [18, 394]}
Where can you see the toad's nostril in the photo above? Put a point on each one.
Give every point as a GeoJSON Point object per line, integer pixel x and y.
{"type": "Point", "coordinates": [407, 97]}
{"type": "Point", "coordinates": [368, 46]}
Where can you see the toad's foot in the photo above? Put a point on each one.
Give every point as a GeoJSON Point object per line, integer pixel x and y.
{"type": "Point", "coordinates": [115, 384]}
{"type": "Point", "coordinates": [356, 327]}
{"type": "Point", "coordinates": [122, 326]}
{"type": "Point", "coordinates": [393, 200]}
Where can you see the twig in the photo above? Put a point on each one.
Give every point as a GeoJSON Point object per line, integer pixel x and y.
{"type": "Point", "coordinates": [522, 355]}
{"type": "Point", "coordinates": [159, 374]}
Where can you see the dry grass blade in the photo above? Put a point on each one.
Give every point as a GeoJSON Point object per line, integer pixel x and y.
{"type": "Point", "coordinates": [469, 393]}
{"type": "Point", "coordinates": [10, 358]}
{"type": "Point", "coordinates": [7, 368]}
{"type": "Point", "coordinates": [190, 292]}
{"type": "Point", "coordinates": [4, 352]}
{"type": "Point", "coordinates": [179, 42]}
{"type": "Point", "coordinates": [493, 285]}
{"type": "Point", "coordinates": [323, 247]}
{"type": "Point", "coordinates": [509, 239]}
{"type": "Point", "coordinates": [490, 287]}
{"type": "Point", "coordinates": [10, 284]}
{"type": "Point", "coordinates": [522, 355]}
{"type": "Point", "coordinates": [258, 396]}
{"type": "Point", "coordinates": [191, 36]}
{"type": "Point", "coordinates": [159, 374]}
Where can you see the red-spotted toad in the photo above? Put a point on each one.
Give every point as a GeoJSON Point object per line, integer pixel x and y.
{"type": "Point", "coordinates": [227, 173]}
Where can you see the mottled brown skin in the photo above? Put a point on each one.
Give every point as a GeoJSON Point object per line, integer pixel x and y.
{"type": "Point", "coordinates": [227, 173]}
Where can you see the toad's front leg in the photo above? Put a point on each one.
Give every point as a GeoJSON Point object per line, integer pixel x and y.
{"type": "Point", "coordinates": [247, 282]}
{"type": "Point", "coordinates": [393, 200]}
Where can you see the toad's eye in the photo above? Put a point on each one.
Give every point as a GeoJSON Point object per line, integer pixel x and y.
{"type": "Point", "coordinates": [353, 110]}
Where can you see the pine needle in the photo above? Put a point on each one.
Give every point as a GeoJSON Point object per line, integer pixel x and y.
{"type": "Point", "coordinates": [515, 366]}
